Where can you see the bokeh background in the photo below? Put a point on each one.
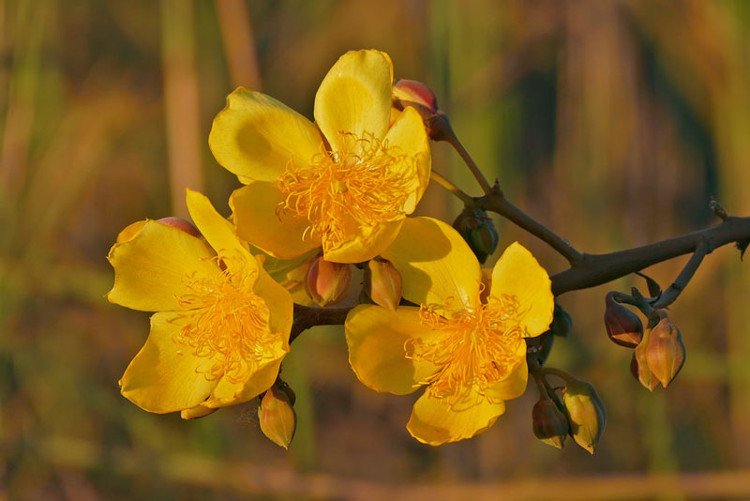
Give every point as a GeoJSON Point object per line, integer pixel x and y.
{"type": "Point", "coordinates": [612, 121]}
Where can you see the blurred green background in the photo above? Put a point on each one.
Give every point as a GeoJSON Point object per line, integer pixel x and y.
{"type": "Point", "coordinates": [612, 121]}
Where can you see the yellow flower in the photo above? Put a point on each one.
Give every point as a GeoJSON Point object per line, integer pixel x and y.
{"type": "Point", "coordinates": [345, 182]}
{"type": "Point", "coordinates": [465, 342]}
{"type": "Point", "coordinates": [222, 326]}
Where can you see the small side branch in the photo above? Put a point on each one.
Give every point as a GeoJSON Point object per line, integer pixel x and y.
{"type": "Point", "coordinates": [448, 185]}
{"type": "Point", "coordinates": [670, 295]}
{"type": "Point", "coordinates": [496, 202]}
{"type": "Point", "coordinates": [597, 269]}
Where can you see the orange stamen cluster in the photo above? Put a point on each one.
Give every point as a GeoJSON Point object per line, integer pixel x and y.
{"type": "Point", "coordinates": [364, 183]}
{"type": "Point", "coordinates": [227, 324]}
{"type": "Point", "coordinates": [478, 347]}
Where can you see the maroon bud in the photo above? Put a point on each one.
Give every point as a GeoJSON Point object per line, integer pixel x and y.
{"type": "Point", "coordinates": [623, 326]}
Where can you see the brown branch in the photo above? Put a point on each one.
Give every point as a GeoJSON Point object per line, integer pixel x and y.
{"type": "Point", "coordinates": [309, 316]}
{"type": "Point", "coordinates": [597, 269]}
{"type": "Point", "coordinates": [496, 202]}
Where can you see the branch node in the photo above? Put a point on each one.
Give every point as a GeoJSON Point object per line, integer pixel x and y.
{"type": "Point", "coordinates": [718, 209]}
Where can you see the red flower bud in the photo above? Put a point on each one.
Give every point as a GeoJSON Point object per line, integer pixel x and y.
{"type": "Point", "coordinates": [623, 326]}
{"type": "Point", "coordinates": [412, 92]}
{"type": "Point", "coordinates": [549, 424]}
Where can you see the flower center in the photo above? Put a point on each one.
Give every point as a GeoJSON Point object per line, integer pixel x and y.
{"type": "Point", "coordinates": [478, 346]}
{"type": "Point", "coordinates": [227, 324]}
{"type": "Point", "coordinates": [364, 183]}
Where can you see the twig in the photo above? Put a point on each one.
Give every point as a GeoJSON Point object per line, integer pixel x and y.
{"type": "Point", "coordinates": [670, 295]}
{"type": "Point", "coordinates": [448, 185]}
{"type": "Point", "coordinates": [450, 137]}
{"type": "Point", "coordinates": [495, 201]}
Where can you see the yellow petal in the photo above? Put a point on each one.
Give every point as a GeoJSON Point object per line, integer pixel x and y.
{"type": "Point", "coordinates": [151, 267]}
{"type": "Point", "coordinates": [376, 338]}
{"type": "Point", "coordinates": [230, 393]}
{"type": "Point", "coordinates": [518, 273]}
{"type": "Point", "coordinates": [196, 412]}
{"type": "Point", "coordinates": [163, 376]}
{"type": "Point", "coordinates": [355, 97]}
{"type": "Point", "coordinates": [255, 216]}
{"type": "Point", "coordinates": [255, 136]}
{"type": "Point", "coordinates": [515, 384]}
{"type": "Point", "coordinates": [408, 134]}
{"type": "Point", "coordinates": [219, 233]}
{"type": "Point", "coordinates": [130, 231]}
{"type": "Point", "coordinates": [279, 303]}
{"type": "Point", "coordinates": [434, 421]}
{"type": "Point", "coordinates": [365, 243]}
{"type": "Point", "coordinates": [435, 263]}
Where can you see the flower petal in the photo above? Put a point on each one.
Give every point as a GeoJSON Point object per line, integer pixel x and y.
{"type": "Point", "coordinates": [376, 338]}
{"type": "Point", "coordinates": [279, 303]}
{"type": "Point", "coordinates": [355, 97]}
{"type": "Point", "coordinates": [365, 243]}
{"type": "Point", "coordinates": [409, 135]}
{"type": "Point", "coordinates": [255, 136]}
{"type": "Point", "coordinates": [518, 273]}
{"type": "Point", "coordinates": [130, 231]}
{"type": "Point", "coordinates": [435, 263]}
{"type": "Point", "coordinates": [163, 376]}
{"type": "Point", "coordinates": [151, 266]}
{"type": "Point", "coordinates": [514, 385]}
{"type": "Point", "coordinates": [434, 421]}
{"type": "Point", "coordinates": [254, 208]}
{"type": "Point", "coordinates": [230, 393]}
{"type": "Point", "coordinates": [219, 233]}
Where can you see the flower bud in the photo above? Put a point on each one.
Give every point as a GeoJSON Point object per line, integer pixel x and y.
{"type": "Point", "coordinates": [550, 425]}
{"type": "Point", "coordinates": [665, 352]}
{"type": "Point", "coordinates": [277, 418]}
{"type": "Point", "coordinates": [421, 98]}
{"type": "Point", "coordinates": [180, 224]}
{"type": "Point", "coordinates": [385, 283]}
{"type": "Point", "coordinates": [639, 367]}
{"type": "Point", "coordinates": [586, 414]}
{"type": "Point", "coordinates": [477, 228]}
{"type": "Point", "coordinates": [623, 326]}
{"type": "Point", "coordinates": [328, 283]}
{"type": "Point", "coordinates": [414, 93]}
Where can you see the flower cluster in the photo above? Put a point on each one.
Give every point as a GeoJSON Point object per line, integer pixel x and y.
{"type": "Point", "coordinates": [317, 199]}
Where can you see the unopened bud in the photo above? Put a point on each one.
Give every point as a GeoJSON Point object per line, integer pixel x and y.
{"type": "Point", "coordinates": [550, 425]}
{"type": "Point", "coordinates": [477, 228]}
{"type": "Point", "coordinates": [623, 326]}
{"type": "Point", "coordinates": [561, 322]}
{"type": "Point", "coordinates": [665, 352]}
{"type": "Point", "coordinates": [328, 283]}
{"type": "Point", "coordinates": [586, 414]}
{"type": "Point", "coordinates": [639, 367]}
{"type": "Point", "coordinates": [180, 224]}
{"type": "Point", "coordinates": [385, 283]}
{"type": "Point", "coordinates": [420, 97]}
{"type": "Point", "coordinates": [414, 93]}
{"type": "Point", "coordinates": [277, 418]}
